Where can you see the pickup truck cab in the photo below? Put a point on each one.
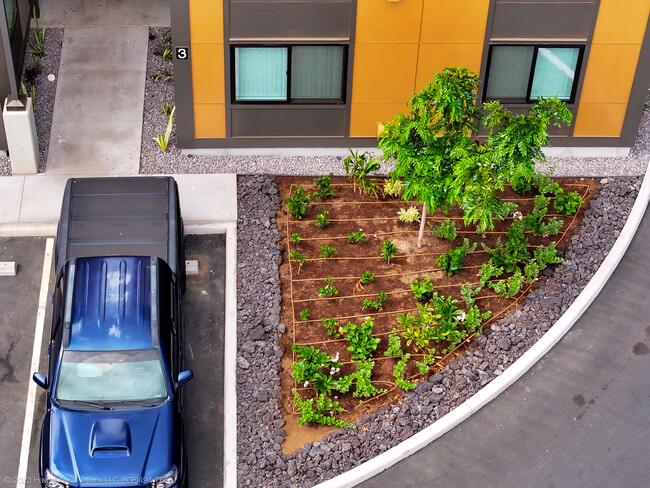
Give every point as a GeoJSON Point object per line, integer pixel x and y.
{"type": "Point", "coordinates": [114, 414]}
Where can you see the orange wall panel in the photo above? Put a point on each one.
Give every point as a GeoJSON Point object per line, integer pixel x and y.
{"type": "Point", "coordinates": [622, 21]}
{"type": "Point", "coordinates": [365, 117]}
{"type": "Point", "coordinates": [600, 119]}
{"type": "Point", "coordinates": [461, 21]}
{"type": "Point", "coordinates": [208, 73]}
{"type": "Point", "coordinates": [209, 120]}
{"type": "Point", "coordinates": [206, 21]}
{"type": "Point", "coordinates": [388, 21]}
{"type": "Point", "coordinates": [436, 57]}
{"type": "Point", "coordinates": [384, 72]}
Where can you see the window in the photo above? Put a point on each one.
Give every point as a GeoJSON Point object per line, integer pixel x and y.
{"type": "Point", "coordinates": [525, 73]}
{"type": "Point", "coordinates": [11, 13]}
{"type": "Point", "coordinates": [289, 74]}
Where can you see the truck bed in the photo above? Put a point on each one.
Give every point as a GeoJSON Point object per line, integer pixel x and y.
{"type": "Point", "coordinates": [126, 216]}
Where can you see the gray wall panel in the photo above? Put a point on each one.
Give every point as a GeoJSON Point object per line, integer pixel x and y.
{"type": "Point", "coordinates": [290, 19]}
{"type": "Point", "coordinates": [542, 20]}
{"type": "Point", "coordinates": [283, 121]}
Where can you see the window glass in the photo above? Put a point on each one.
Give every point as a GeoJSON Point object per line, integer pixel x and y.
{"type": "Point", "coordinates": [11, 12]}
{"type": "Point", "coordinates": [316, 71]}
{"type": "Point", "coordinates": [96, 376]}
{"type": "Point", "coordinates": [261, 73]}
{"type": "Point", "coordinates": [509, 72]}
{"type": "Point", "coordinates": [555, 70]}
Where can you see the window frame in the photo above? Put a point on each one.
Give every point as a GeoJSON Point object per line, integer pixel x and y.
{"type": "Point", "coordinates": [531, 73]}
{"type": "Point", "coordinates": [289, 100]}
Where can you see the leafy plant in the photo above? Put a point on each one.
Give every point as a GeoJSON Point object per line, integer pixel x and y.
{"type": "Point", "coordinates": [545, 255]}
{"type": "Point", "coordinates": [321, 413]}
{"type": "Point", "coordinates": [323, 184]}
{"type": "Point", "coordinates": [487, 272]}
{"type": "Point", "coordinates": [394, 187]}
{"type": "Point", "coordinates": [531, 271]}
{"type": "Point", "coordinates": [423, 292]}
{"type": "Point", "coordinates": [409, 215]}
{"type": "Point", "coordinates": [425, 365]}
{"type": "Point", "coordinates": [327, 251]}
{"type": "Point", "coordinates": [332, 326]}
{"type": "Point", "coordinates": [36, 40]}
{"type": "Point", "coordinates": [167, 54]}
{"type": "Point", "coordinates": [474, 320]}
{"type": "Point", "coordinates": [446, 230]}
{"type": "Point", "coordinates": [321, 219]}
{"type": "Point", "coordinates": [165, 74]}
{"type": "Point", "coordinates": [163, 140]}
{"type": "Point", "coordinates": [509, 287]}
{"type": "Point", "coordinates": [299, 258]}
{"type": "Point", "coordinates": [31, 93]}
{"type": "Point", "coordinates": [367, 277]}
{"type": "Point", "coordinates": [358, 167]}
{"type": "Point", "coordinates": [452, 261]}
{"type": "Point", "coordinates": [535, 221]}
{"type": "Point", "coordinates": [388, 251]}
{"type": "Point", "coordinates": [295, 238]}
{"type": "Point", "coordinates": [304, 314]}
{"type": "Point", "coordinates": [328, 290]}
{"type": "Point", "coordinates": [567, 204]}
{"type": "Point", "coordinates": [362, 344]}
{"type": "Point", "coordinates": [514, 252]}
{"type": "Point", "coordinates": [356, 237]}
{"type": "Point", "coordinates": [311, 362]}
{"type": "Point", "coordinates": [376, 304]}
{"type": "Point", "coordinates": [297, 202]}
{"type": "Point", "coordinates": [363, 386]}
{"type": "Point", "coordinates": [30, 74]}
{"type": "Point", "coordinates": [399, 371]}
{"type": "Point", "coordinates": [545, 184]}
{"type": "Point", "coordinates": [394, 345]}
{"type": "Point", "coordinates": [166, 109]}
{"type": "Point", "coordinates": [468, 293]}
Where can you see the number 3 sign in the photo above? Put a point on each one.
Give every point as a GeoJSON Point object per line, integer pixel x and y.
{"type": "Point", "coordinates": [182, 52]}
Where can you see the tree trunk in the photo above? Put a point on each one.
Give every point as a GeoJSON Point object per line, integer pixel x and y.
{"type": "Point", "coordinates": [422, 224]}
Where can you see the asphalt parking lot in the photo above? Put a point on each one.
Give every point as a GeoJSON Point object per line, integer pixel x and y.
{"type": "Point", "coordinates": [203, 311]}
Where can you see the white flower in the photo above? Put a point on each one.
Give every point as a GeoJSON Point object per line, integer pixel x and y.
{"type": "Point", "coordinates": [336, 356]}
{"type": "Point", "coordinates": [461, 316]}
{"type": "Point", "coordinates": [517, 215]}
{"type": "Point", "coordinates": [306, 384]}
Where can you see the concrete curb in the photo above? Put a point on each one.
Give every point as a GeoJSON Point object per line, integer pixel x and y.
{"type": "Point", "coordinates": [378, 464]}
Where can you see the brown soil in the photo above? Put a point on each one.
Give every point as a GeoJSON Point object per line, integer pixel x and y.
{"type": "Point", "coordinates": [377, 218]}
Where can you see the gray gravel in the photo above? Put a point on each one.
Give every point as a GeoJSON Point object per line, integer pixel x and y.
{"type": "Point", "coordinates": [45, 94]}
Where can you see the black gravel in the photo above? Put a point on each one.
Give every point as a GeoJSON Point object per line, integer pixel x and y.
{"type": "Point", "coordinates": [260, 460]}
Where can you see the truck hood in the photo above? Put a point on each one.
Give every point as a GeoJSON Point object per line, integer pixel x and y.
{"type": "Point", "coordinates": [119, 448]}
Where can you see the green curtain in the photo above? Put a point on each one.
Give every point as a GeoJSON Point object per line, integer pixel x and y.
{"type": "Point", "coordinates": [261, 73]}
{"type": "Point", "coordinates": [555, 70]}
{"type": "Point", "coordinates": [509, 72]}
{"type": "Point", "coordinates": [316, 71]}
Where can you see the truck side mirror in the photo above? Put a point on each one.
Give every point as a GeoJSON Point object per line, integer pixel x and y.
{"type": "Point", "coordinates": [40, 380]}
{"type": "Point", "coordinates": [185, 376]}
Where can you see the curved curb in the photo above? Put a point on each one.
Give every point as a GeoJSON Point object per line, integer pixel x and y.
{"type": "Point", "coordinates": [499, 384]}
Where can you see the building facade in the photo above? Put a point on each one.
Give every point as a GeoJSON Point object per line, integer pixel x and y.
{"type": "Point", "coordinates": [327, 73]}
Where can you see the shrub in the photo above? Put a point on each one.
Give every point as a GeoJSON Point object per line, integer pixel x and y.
{"type": "Point", "coordinates": [328, 290]}
{"type": "Point", "coordinates": [297, 202]}
{"type": "Point", "coordinates": [394, 345]}
{"type": "Point", "coordinates": [376, 304]}
{"type": "Point", "coordinates": [394, 187]}
{"type": "Point", "coordinates": [388, 251]}
{"type": "Point", "coordinates": [423, 292]}
{"type": "Point", "coordinates": [356, 237]}
{"type": "Point", "coordinates": [362, 344]}
{"type": "Point", "coordinates": [410, 215]}
{"type": "Point", "coordinates": [323, 184]}
{"type": "Point", "coordinates": [535, 221]}
{"type": "Point", "coordinates": [321, 219]}
{"type": "Point", "coordinates": [567, 204]}
{"type": "Point", "coordinates": [327, 252]}
{"type": "Point", "coordinates": [399, 371]}
{"type": "Point", "coordinates": [295, 238]}
{"type": "Point", "coordinates": [332, 326]}
{"type": "Point", "coordinates": [452, 261]}
{"type": "Point", "coordinates": [446, 230]}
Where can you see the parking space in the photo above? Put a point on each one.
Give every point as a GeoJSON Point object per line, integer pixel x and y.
{"type": "Point", "coordinates": [204, 322]}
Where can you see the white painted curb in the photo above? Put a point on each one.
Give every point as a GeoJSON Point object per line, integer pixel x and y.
{"type": "Point", "coordinates": [385, 460]}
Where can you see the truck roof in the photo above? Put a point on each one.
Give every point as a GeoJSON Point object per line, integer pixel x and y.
{"type": "Point", "coordinates": [125, 216]}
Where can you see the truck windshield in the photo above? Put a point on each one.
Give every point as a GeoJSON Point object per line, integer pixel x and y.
{"type": "Point", "coordinates": [111, 376]}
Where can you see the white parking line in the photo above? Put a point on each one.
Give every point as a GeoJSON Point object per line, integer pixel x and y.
{"type": "Point", "coordinates": [36, 359]}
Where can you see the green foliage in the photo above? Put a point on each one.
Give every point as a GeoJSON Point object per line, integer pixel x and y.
{"type": "Point", "coordinates": [468, 293]}
{"type": "Point", "coordinates": [321, 413]}
{"type": "Point", "coordinates": [446, 230]}
{"type": "Point", "coordinates": [36, 40]}
{"type": "Point", "coordinates": [425, 365]}
{"type": "Point", "coordinates": [167, 54]}
{"type": "Point", "coordinates": [358, 167]}
{"type": "Point", "coordinates": [165, 74]}
{"type": "Point", "coordinates": [356, 237]}
{"type": "Point", "coordinates": [509, 287]}
{"type": "Point", "coordinates": [394, 187]}
{"type": "Point", "coordinates": [388, 251]}
{"type": "Point", "coordinates": [304, 314]}
{"type": "Point", "coordinates": [362, 344]}
{"type": "Point", "coordinates": [30, 74]}
{"type": "Point", "coordinates": [328, 290]}
{"type": "Point", "coordinates": [327, 251]}
{"type": "Point", "coordinates": [310, 363]}
{"type": "Point", "coordinates": [166, 109]}
{"type": "Point", "coordinates": [332, 326]}
{"type": "Point", "coordinates": [423, 292]}
{"type": "Point", "coordinates": [367, 277]}
{"type": "Point", "coordinates": [297, 202]}
{"type": "Point", "coordinates": [531, 271]}
{"type": "Point", "coordinates": [321, 219]}
{"type": "Point", "coordinates": [487, 272]}
{"type": "Point", "coordinates": [545, 255]}
{"type": "Point", "coordinates": [474, 320]}
{"type": "Point", "coordinates": [363, 387]}
{"type": "Point", "coordinates": [567, 204]}
{"type": "Point", "coordinates": [31, 93]}
{"type": "Point", "coordinates": [376, 304]}
{"type": "Point", "coordinates": [535, 221]}
{"type": "Point", "coordinates": [163, 140]}
{"type": "Point", "coordinates": [394, 345]}
{"type": "Point", "coordinates": [299, 258]}
{"type": "Point", "coordinates": [323, 184]}
{"type": "Point", "coordinates": [295, 238]}
{"type": "Point", "coordinates": [452, 261]}
{"type": "Point", "coordinates": [409, 215]}
{"type": "Point", "coordinates": [514, 252]}
{"type": "Point", "coordinates": [545, 184]}
{"type": "Point", "coordinates": [399, 371]}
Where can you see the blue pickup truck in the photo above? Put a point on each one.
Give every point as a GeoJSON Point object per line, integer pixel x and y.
{"type": "Point", "coordinates": [115, 394]}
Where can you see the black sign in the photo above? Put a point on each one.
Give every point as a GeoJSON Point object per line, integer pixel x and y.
{"type": "Point", "coordinates": [182, 52]}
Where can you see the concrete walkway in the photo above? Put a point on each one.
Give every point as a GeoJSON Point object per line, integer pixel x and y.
{"type": "Point", "coordinates": [580, 417]}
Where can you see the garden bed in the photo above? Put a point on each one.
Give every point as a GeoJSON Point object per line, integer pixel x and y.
{"type": "Point", "coordinates": [349, 212]}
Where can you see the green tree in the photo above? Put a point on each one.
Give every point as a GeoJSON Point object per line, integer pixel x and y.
{"type": "Point", "coordinates": [441, 118]}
